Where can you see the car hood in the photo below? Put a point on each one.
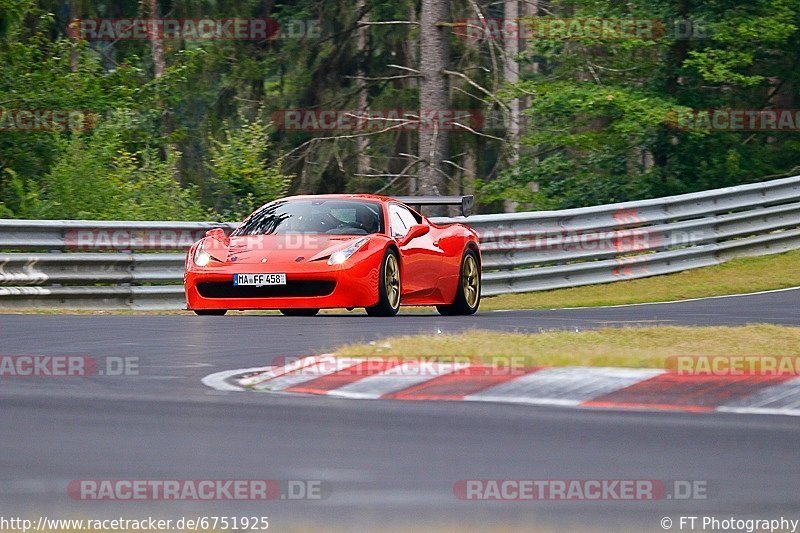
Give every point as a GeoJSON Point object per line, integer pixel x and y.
{"type": "Point", "coordinates": [286, 247]}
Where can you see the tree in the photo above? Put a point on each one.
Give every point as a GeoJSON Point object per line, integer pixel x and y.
{"type": "Point", "coordinates": [245, 179]}
{"type": "Point", "coordinates": [434, 96]}
{"type": "Point", "coordinates": [596, 115]}
{"type": "Point", "coordinates": [602, 118]}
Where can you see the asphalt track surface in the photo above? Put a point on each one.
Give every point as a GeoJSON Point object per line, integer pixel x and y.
{"type": "Point", "coordinates": [387, 463]}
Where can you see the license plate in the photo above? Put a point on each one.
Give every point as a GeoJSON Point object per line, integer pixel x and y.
{"type": "Point", "coordinates": [259, 279]}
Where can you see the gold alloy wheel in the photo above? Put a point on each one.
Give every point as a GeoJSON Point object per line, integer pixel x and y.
{"type": "Point", "coordinates": [470, 280]}
{"type": "Point", "coordinates": [391, 280]}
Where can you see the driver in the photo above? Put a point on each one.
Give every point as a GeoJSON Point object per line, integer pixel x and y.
{"type": "Point", "coordinates": [367, 219]}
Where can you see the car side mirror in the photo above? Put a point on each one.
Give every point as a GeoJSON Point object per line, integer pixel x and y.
{"type": "Point", "coordinates": [417, 230]}
{"type": "Point", "coordinates": [217, 246]}
{"type": "Point", "coordinates": [216, 233]}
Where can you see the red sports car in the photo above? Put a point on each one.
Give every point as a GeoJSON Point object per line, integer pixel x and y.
{"type": "Point", "coordinates": [305, 253]}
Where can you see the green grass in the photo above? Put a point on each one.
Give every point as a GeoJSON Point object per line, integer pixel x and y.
{"type": "Point", "coordinates": [751, 274]}
{"type": "Point", "coordinates": [645, 347]}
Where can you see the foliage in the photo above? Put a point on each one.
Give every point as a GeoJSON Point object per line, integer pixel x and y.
{"type": "Point", "coordinates": [238, 164]}
{"type": "Point", "coordinates": [196, 141]}
{"type": "Point", "coordinates": [97, 177]}
{"type": "Point", "coordinates": [601, 122]}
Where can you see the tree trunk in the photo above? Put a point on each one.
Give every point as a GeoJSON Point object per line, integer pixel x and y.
{"type": "Point", "coordinates": [159, 65]}
{"type": "Point", "coordinates": [434, 98]}
{"type": "Point", "coordinates": [362, 143]}
{"type": "Point", "coordinates": [74, 14]}
{"type": "Point", "coordinates": [676, 55]}
{"type": "Point", "coordinates": [405, 143]}
{"type": "Point", "coordinates": [530, 8]}
{"type": "Point", "coordinates": [467, 184]}
{"type": "Point", "coordinates": [156, 43]}
{"type": "Point", "coordinates": [511, 77]}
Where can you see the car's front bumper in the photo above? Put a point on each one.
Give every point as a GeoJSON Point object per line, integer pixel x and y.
{"type": "Point", "coordinates": [307, 286]}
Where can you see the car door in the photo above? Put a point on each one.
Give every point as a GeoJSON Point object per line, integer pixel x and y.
{"type": "Point", "coordinates": [415, 255]}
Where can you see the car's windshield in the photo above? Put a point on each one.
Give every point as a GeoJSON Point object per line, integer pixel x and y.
{"type": "Point", "coordinates": [331, 216]}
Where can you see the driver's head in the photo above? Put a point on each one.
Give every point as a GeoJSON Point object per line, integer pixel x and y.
{"type": "Point", "coordinates": [367, 218]}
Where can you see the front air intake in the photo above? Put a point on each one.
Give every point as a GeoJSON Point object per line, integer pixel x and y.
{"type": "Point", "coordinates": [297, 288]}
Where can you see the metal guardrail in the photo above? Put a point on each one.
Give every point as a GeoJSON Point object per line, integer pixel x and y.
{"type": "Point", "coordinates": [554, 249]}
{"type": "Point", "coordinates": [139, 265]}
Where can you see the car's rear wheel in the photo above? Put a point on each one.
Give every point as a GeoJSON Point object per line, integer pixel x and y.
{"type": "Point", "coordinates": [468, 294]}
{"type": "Point", "coordinates": [210, 312]}
{"type": "Point", "coordinates": [388, 287]}
{"type": "Point", "coordinates": [299, 312]}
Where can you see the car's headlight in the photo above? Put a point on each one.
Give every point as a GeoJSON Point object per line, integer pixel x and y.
{"type": "Point", "coordinates": [343, 255]}
{"type": "Point", "coordinates": [201, 257]}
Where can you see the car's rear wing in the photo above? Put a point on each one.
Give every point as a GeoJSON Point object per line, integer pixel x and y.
{"type": "Point", "coordinates": [465, 202]}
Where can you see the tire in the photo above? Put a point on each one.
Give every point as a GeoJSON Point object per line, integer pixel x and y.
{"type": "Point", "coordinates": [468, 293]}
{"type": "Point", "coordinates": [299, 312]}
{"type": "Point", "coordinates": [210, 312]}
{"type": "Point", "coordinates": [389, 289]}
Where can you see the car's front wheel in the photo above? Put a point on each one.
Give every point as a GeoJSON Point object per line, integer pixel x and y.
{"type": "Point", "coordinates": [210, 312]}
{"type": "Point", "coordinates": [388, 287]}
{"type": "Point", "coordinates": [468, 293]}
{"type": "Point", "coordinates": [299, 312]}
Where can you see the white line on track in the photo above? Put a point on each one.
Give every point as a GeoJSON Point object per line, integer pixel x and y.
{"type": "Point", "coordinates": [655, 303]}
{"type": "Point", "coordinates": [759, 411]}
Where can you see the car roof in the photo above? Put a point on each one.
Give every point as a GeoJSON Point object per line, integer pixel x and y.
{"type": "Point", "coordinates": [372, 197]}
